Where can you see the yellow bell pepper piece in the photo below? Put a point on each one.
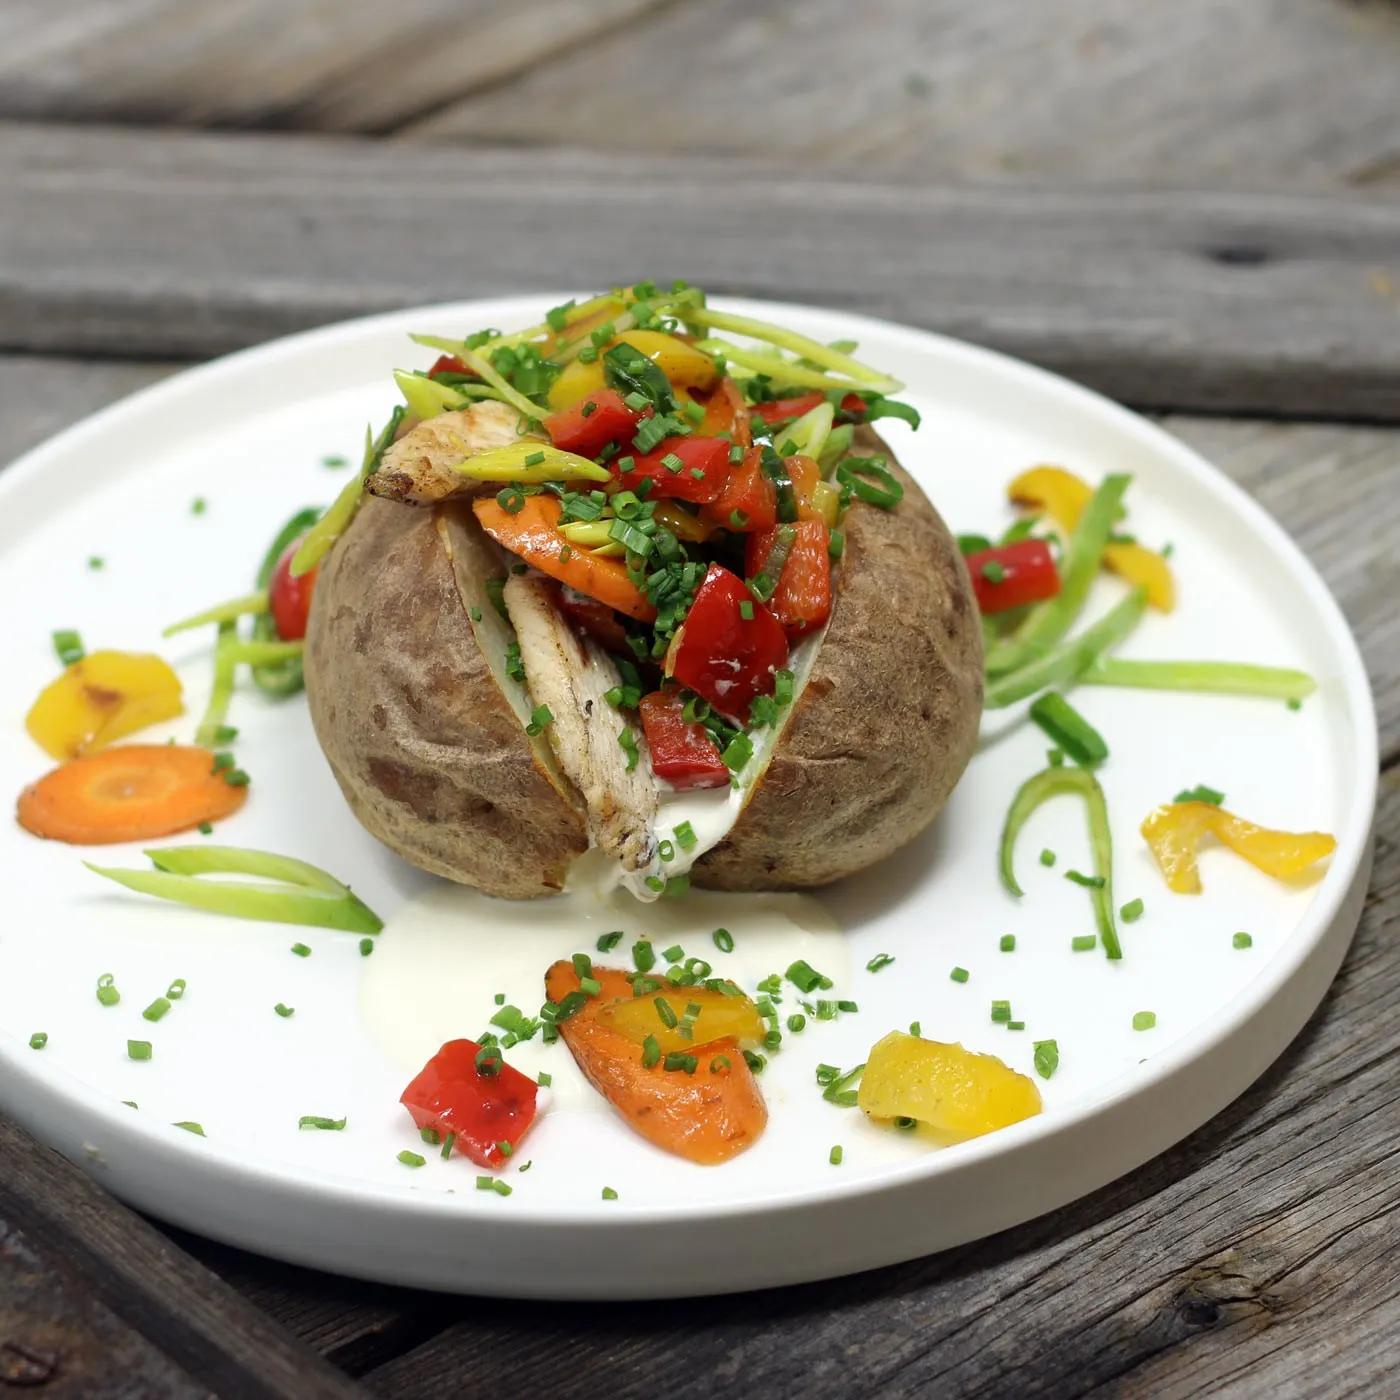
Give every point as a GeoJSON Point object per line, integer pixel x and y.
{"type": "Point", "coordinates": [1063, 496]}
{"type": "Point", "coordinates": [719, 1016]}
{"type": "Point", "coordinates": [957, 1092]}
{"type": "Point", "coordinates": [1174, 831]}
{"type": "Point", "coordinates": [681, 363]}
{"type": "Point", "coordinates": [575, 382]}
{"type": "Point", "coordinates": [826, 501]}
{"type": "Point", "coordinates": [530, 461]}
{"type": "Point", "coordinates": [681, 523]}
{"type": "Point", "coordinates": [100, 699]}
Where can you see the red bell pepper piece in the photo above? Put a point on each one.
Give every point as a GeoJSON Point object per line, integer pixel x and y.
{"type": "Point", "coordinates": [709, 457]}
{"type": "Point", "coordinates": [596, 619]}
{"type": "Point", "coordinates": [748, 492]}
{"type": "Point", "coordinates": [290, 598]}
{"type": "Point", "coordinates": [1011, 575]}
{"type": "Point", "coordinates": [452, 1095]}
{"type": "Point", "coordinates": [802, 599]}
{"type": "Point", "coordinates": [448, 364]}
{"type": "Point", "coordinates": [725, 412]}
{"type": "Point", "coordinates": [684, 754]}
{"type": "Point", "coordinates": [729, 645]}
{"type": "Point", "coordinates": [780, 410]}
{"type": "Point", "coordinates": [587, 426]}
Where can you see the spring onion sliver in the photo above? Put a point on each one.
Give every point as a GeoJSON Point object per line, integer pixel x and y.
{"type": "Point", "coordinates": [1069, 729]}
{"type": "Point", "coordinates": [1052, 782]}
{"type": "Point", "coordinates": [302, 893]}
{"type": "Point", "coordinates": [221, 612]}
{"type": "Point", "coordinates": [1064, 665]}
{"type": "Point", "coordinates": [221, 693]}
{"type": "Point", "coordinates": [531, 461]}
{"type": "Point", "coordinates": [1047, 622]}
{"type": "Point", "coordinates": [783, 339]}
{"type": "Point", "coordinates": [1210, 677]}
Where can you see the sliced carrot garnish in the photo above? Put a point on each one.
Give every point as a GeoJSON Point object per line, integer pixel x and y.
{"type": "Point", "coordinates": [532, 533]}
{"type": "Point", "coordinates": [707, 1116]}
{"type": "Point", "coordinates": [129, 793]}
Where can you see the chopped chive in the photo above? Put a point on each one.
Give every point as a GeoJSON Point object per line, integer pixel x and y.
{"type": "Point", "coordinates": [206, 828]}
{"type": "Point", "coordinates": [674, 953]}
{"type": "Point", "coordinates": [959, 974]}
{"type": "Point", "coordinates": [754, 1061]}
{"type": "Point", "coordinates": [1015, 1025]}
{"type": "Point", "coordinates": [1201, 793]}
{"type": "Point", "coordinates": [1089, 882]}
{"type": "Point", "coordinates": [431, 1136]}
{"type": "Point", "coordinates": [177, 989]}
{"type": "Point", "coordinates": [1144, 1020]}
{"type": "Point", "coordinates": [198, 506]}
{"type": "Point", "coordinates": [541, 717]}
{"type": "Point", "coordinates": [1047, 1058]}
{"type": "Point", "coordinates": [835, 1155]}
{"type": "Point", "coordinates": [666, 1013]}
{"type": "Point", "coordinates": [590, 986]}
{"type": "Point", "coordinates": [651, 1052]}
{"type": "Point", "coordinates": [678, 1060]}
{"type": "Point", "coordinates": [1084, 942]}
{"type": "Point", "coordinates": [1008, 943]}
{"type": "Point", "coordinates": [879, 961]}
{"type": "Point", "coordinates": [643, 955]}
{"type": "Point", "coordinates": [138, 1050]}
{"type": "Point", "coordinates": [847, 1006]}
{"type": "Point", "coordinates": [1242, 940]}
{"type": "Point", "coordinates": [1001, 1011]}
{"type": "Point", "coordinates": [448, 1143]}
{"type": "Point", "coordinates": [1047, 857]}
{"type": "Point", "coordinates": [608, 941]}
{"type": "Point", "coordinates": [1131, 912]}
{"type": "Point", "coordinates": [107, 993]}
{"type": "Point", "coordinates": [284, 1011]}
{"type": "Point", "coordinates": [38, 1040]}
{"type": "Point", "coordinates": [301, 950]}
{"type": "Point", "coordinates": [609, 1194]}
{"type": "Point", "coordinates": [719, 1064]}
{"type": "Point", "coordinates": [1069, 729]}
{"type": "Point", "coordinates": [685, 836]}
{"type": "Point", "coordinates": [412, 1159]}
{"type": "Point", "coordinates": [544, 1079]}
{"type": "Point", "coordinates": [156, 1009]}
{"type": "Point", "coordinates": [366, 947]}
{"type": "Point", "coordinates": [724, 940]}
{"type": "Point", "coordinates": [1294, 703]}
{"type": "Point", "coordinates": [68, 646]}
{"type": "Point", "coordinates": [805, 977]}
{"type": "Point", "coordinates": [916, 1028]}
{"type": "Point", "coordinates": [190, 1127]}
{"type": "Point", "coordinates": [96, 562]}
{"type": "Point", "coordinates": [505, 1148]}
{"type": "Point", "coordinates": [325, 1125]}
{"type": "Point", "coordinates": [827, 1074]}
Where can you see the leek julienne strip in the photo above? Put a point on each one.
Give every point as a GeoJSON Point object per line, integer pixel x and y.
{"type": "Point", "coordinates": [1034, 792]}
{"type": "Point", "coordinates": [216, 711]}
{"type": "Point", "coordinates": [787, 374]}
{"type": "Point", "coordinates": [221, 612]}
{"type": "Point", "coordinates": [802, 345]}
{"type": "Point", "coordinates": [1211, 677]}
{"type": "Point", "coordinates": [1064, 665]}
{"type": "Point", "coordinates": [302, 893]}
{"type": "Point", "coordinates": [1047, 622]}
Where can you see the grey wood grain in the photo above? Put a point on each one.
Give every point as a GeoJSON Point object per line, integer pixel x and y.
{"type": "Point", "coordinates": [162, 244]}
{"type": "Point", "coordinates": [70, 1227]}
{"type": "Point", "coordinates": [1140, 90]}
{"type": "Point", "coordinates": [1166, 91]}
{"type": "Point", "coordinates": [318, 64]}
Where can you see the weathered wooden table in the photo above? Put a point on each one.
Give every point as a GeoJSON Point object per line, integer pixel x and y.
{"type": "Point", "coordinates": [1189, 204]}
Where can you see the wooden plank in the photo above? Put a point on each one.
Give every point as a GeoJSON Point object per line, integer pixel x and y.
{"type": "Point", "coordinates": [107, 1254]}
{"type": "Point", "coordinates": [1257, 1257]}
{"type": "Point", "coordinates": [1159, 91]}
{"type": "Point", "coordinates": [58, 1340]}
{"type": "Point", "coordinates": [1184, 91]}
{"type": "Point", "coordinates": [153, 244]}
{"type": "Point", "coordinates": [318, 64]}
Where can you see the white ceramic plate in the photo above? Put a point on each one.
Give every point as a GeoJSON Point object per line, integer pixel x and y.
{"type": "Point", "coordinates": [248, 434]}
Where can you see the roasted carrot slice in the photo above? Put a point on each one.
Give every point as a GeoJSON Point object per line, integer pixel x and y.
{"type": "Point", "coordinates": [707, 1116]}
{"type": "Point", "coordinates": [129, 793]}
{"type": "Point", "coordinates": [532, 533]}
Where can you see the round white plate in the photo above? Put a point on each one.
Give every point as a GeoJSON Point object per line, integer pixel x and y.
{"type": "Point", "coordinates": [248, 434]}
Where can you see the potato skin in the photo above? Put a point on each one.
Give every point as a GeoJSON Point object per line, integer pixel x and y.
{"type": "Point", "coordinates": [424, 744]}
{"type": "Point", "coordinates": [890, 714]}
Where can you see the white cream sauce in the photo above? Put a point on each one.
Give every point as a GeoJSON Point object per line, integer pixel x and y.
{"type": "Point", "coordinates": [443, 957]}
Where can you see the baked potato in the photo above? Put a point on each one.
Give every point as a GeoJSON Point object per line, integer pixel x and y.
{"type": "Point", "coordinates": [477, 716]}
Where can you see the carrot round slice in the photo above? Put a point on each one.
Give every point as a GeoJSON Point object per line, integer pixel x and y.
{"type": "Point", "coordinates": [706, 1117]}
{"type": "Point", "coordinates": [129, 793]}
{"type": "Point", "coordinates": [532, 533]}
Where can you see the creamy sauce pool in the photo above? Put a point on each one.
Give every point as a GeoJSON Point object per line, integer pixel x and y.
{"type": "Point", "coordinates": [443, 957]}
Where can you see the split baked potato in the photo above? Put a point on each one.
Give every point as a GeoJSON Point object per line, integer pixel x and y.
{"type": "Point", "coordinates": [432, 654]}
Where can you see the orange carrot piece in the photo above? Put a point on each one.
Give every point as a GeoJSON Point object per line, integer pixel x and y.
{"type": "Point", "coordinates": [129, 793]}
{"type": "Point", "coordinates": [532, 533]}
{"type": "Point", "coordinates": [706, 1117]}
